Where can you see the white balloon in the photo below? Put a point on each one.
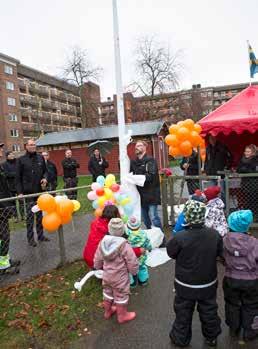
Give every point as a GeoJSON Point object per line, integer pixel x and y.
{"type": "Point", "coordinates": [35, 209]}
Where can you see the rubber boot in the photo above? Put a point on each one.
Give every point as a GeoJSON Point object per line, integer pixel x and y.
{"type": "Point", "coordinates": [109, 309]}
{"type": "Point", "coordinates": [123, 315]}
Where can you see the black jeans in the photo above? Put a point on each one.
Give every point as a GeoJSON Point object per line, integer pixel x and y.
{"type": "Point", "coordinates": [71, 183]}
{"type": "Point", "coordinates": [4, 230]}
{"type": "Point", "coordinates": [30, 221]}
{"type": "Point", "coordinates": [181, 333]}
{"type": "Point", "coordinates": [241, 305]}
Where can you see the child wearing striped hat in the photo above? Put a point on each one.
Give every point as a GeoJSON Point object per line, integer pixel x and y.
{"type": "Point", "coordinates": [138, 238]}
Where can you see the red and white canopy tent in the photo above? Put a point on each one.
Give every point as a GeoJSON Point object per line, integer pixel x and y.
{"type": "Point", "coordinates": [235, 123]}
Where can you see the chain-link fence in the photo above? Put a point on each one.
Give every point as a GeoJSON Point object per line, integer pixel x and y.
{"type": "Point", "coordinates": [238, 191]}
{"type": "Point", "coordinates": [23, 238]}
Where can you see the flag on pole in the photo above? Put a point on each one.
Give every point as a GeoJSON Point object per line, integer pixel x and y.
{"type": "Point", "coordinates": [253, 62]}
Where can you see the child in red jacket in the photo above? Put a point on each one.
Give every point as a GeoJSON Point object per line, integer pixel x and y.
{"type": "Point", "coordinates": [98, 229]}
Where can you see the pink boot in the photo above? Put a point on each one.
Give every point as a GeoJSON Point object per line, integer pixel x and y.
{"type": "Point", "coordinates": [109, 309]}
{"type": "Point", "coordinates": [123, 315]}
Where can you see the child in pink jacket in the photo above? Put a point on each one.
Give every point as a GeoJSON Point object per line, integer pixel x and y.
{"type": "Point", "coordinates": [117, 259]}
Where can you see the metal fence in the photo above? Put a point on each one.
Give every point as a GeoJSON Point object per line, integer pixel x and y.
{"type": "Point", "coordinates": [238, 191]}
{"type": "Point", "coordinates": [16, 218]}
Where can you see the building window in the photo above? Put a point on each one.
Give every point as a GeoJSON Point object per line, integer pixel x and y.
{"type": "Point", "coordinates": [16, 147]}
{"type": "Point", "coordinates": [13, 117]}
{"type": "Point", "coordinates": [11, 101]}
{"type": "Point", "coordinates": [8, 69]}
{"type": "Point", "coordinates": [14, 133]}
{"type": "Point", "coordinates": [9, 85]}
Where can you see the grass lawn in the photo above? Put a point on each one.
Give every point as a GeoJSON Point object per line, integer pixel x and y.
{"type": "Point", "coordinates": [47, 312]}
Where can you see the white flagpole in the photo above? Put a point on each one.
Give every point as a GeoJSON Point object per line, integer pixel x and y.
{"type": "Point", "coordinates": [120, 98]}
{"type": "Point", "coordinates": [250, 81]}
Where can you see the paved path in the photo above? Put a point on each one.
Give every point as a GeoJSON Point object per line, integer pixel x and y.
{"type": "Point", "coordinates": [150, 329]}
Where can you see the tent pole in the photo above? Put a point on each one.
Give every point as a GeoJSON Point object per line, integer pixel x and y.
{"type": "Point", "coordinates": [120, 98]}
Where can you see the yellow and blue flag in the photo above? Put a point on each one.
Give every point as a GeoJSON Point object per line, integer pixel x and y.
{"type": "Point", "coordinates": [252, 61]}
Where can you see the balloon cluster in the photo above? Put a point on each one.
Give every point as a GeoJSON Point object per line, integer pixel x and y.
{"type": "Point", "coordinates": [105, 191]}
{"type": "Point", "coordinates": [183, 137]}
{"type": "Point", "coordinates": [57, 210]}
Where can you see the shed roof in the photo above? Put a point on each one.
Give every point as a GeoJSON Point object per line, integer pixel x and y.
{"type": "Point", "coordinates": [102, 132]}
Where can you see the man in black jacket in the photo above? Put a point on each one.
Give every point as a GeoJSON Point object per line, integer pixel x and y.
{"type": "Point", "coordinates": [51, 172]}
{"type": "Point", "coordinates": [31, 177]}
{"type": "Point", "coordinates": [97, 165]}
{"type": "Point", "coordinates": [218, 157]}
{"type": "Point", "coordinates": [70, 166]}
{"type": "Point", "coordinates": [5, 213]}
{"type": "Point", "coordinates": [150, 192]}
{"type": "Point", "coordinates": [195, 250]}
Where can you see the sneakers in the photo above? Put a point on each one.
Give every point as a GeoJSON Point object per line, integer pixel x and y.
{"type": "Point", "coordinates": [144, 283]}
{"type": "Point", "coordinates": [44, 238]}
{"type": "Point", "coordinates": [32, 243]}
{"type": "Point", "coordinates": [211, 342]}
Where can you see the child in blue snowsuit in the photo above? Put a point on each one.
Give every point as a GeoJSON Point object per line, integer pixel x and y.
{"type": "Point", "coordinates": [138, 238]}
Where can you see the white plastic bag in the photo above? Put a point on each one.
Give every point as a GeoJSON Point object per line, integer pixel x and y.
{"type": "Point", "coordinates": [155, 235]}
{"type": "Point", "coordinates": [157, 257]}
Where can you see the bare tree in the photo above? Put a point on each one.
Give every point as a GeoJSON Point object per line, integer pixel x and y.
{"type": "Point", "coordinates": [79, 70]}
{"type": "Point", "coordinates": [157, 69]}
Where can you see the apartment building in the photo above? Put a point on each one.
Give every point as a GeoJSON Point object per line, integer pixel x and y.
{"type": "Point", "coordinates": [33, 103]}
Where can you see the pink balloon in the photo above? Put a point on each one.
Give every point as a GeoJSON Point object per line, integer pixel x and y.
{"type": "Point", "coordinates": [92, 195]}
{"type": "Point", "coordinates": [95, 186]}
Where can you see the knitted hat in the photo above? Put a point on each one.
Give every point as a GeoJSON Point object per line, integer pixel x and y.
{"type": "Point", "coordinates": [212, 192]}
{"type": "Point", "coordinates": [133, 224]}
{"type": "Point", "coordinates": [239, 221]}
{"type": "Point", "coordinates": [194, 212]}
{"type": "Point", "coordinates": [198, 196]}
{"type": "Point", "coordinates": [116, 227]}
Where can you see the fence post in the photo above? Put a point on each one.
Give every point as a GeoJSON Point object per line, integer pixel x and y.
{"type": "Point", "coordinates": [164, 197]}
{"type": "Point", "coordinates": [226, 179]}
{"type": "Point", "coordinates": [172, 199]}
{"type": "Point", "coordinates": [61, 245]}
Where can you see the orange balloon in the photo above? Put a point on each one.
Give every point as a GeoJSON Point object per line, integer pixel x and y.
{"type": "Point", "coordinates": [189, 123]}
{"type": "Point", "coordinates": [98, 212]}
{"type": "Point", "coordinates": [186, 153]}
{"type": "Point", "coordinates": [65, 207]}
{"type": "Point", "coordinates": [66, 219]}
{"type": "Point", "coordinates": [185, 146]}
{"type": "Point", "coordinates": [171, 140]}
{"type": "Point", "coordinates": [197, 128]}
{"type": "Point", "coordinates": [183, 133]}
{"type": "Point", "coordinates": [174, 151]}
{"type": "Point", "coordinates": [203, 154]}
{"type": "Point", "coordinates": [202, 144]}
{"type": "Point", "coordinates": [180, 123]}
{"type": "Point", "coordinates": [46, 202]}
{"type": "Point", "coordinates": [51, 221]}
{"type": "Point", "coordinates": [173, 129]}
{"type": "Point", "coordinates": [195, 138]}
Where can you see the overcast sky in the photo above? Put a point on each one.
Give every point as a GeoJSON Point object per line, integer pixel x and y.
{"type": "Point", "coordinates": [212, 34]}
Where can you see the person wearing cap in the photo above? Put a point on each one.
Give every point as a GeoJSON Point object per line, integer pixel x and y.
{"type": "Point", "coordinates": [117, 259]}
{"type": "Point", "coordinates": [240, 282]}
{"type": "Point", "coordinates": [215, 216]}
{"type": "Point", "coordinates": [195, 250]}
{"type": "Point", "coordinates": [31, 177]}
{"type": "Point", "coordinates": [5, 213]}
{"type": "Point", "coordinates": [180, 223]}
{"type": "Point", "coordinates": [97, 165]}
{"type": "Point", "coordinates": [138, 238]}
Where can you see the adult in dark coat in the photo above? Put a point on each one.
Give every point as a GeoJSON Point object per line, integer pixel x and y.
{"type": "Point", "coordinates": [150, 192]}
{"type": "Point", "coordinates": [10, 171]}
{"type": "Point", "coordinates": [70, 166]}
{"type": "Point", "coordinates": [249, 185]}
{"type": "Point", "coordinates": [97, 165]}
{"type": "Point", "coordinates": [5, 213]}
{"type": "Point", "coordinates": [31, 177]}
{"type": "Point", "coordinates": [195, 250]}
{"type": "Point", "coordinates": [218, 157]}
{"type": "Point", "coordinates": [51, 172]}
{"type": "Point", "coordinates": [190, 166]}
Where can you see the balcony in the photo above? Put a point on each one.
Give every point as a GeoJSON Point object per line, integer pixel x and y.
{"type": "Point", "coordinates": [31, 100]}
{"type": "Point", "coordinates": [47, 103]}
{"type": "Point", "coordinates": [22, 84]}
{"type": "Point", "coordinates": [43, 90]}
